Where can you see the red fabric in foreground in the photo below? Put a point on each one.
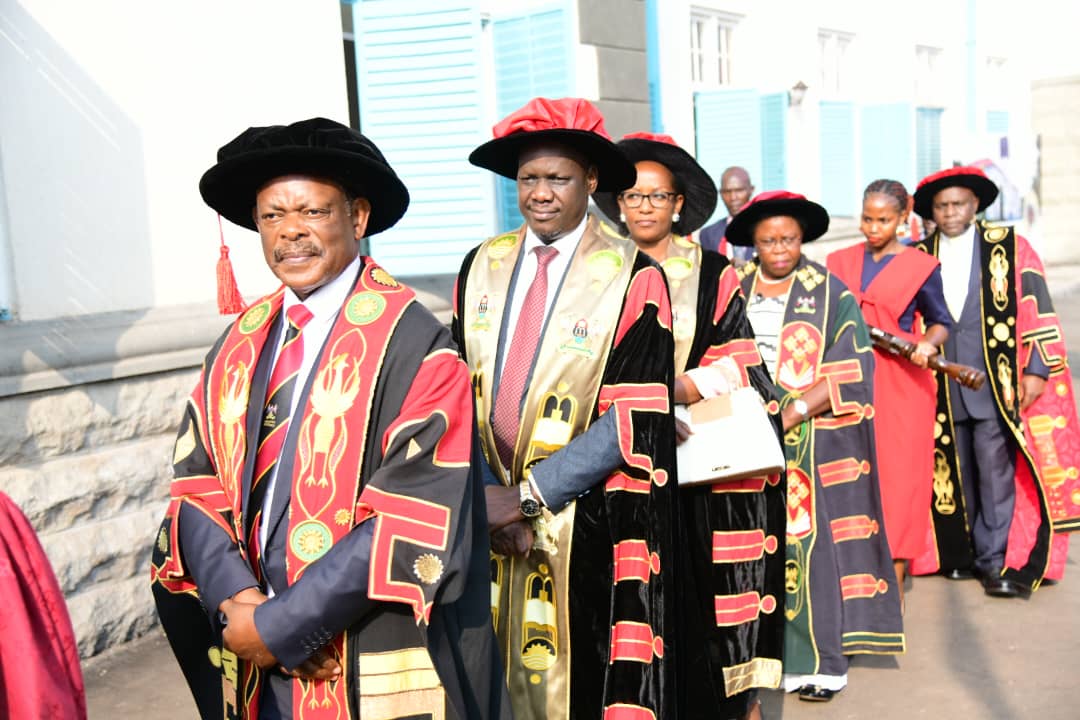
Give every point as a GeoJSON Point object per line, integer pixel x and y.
{"type": "Point", "coordinates": [40, 675]}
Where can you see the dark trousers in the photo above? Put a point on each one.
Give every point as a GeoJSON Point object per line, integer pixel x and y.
{"type": "Point", "coordinates": [276, 698]}
{"type": "Point", "coordinates": [987, 457]}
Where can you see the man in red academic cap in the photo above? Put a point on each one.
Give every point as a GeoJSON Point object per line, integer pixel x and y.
{"type": "Point", "coordinates": [325, 552]}
{"type": "Point", "coordinates": [566, 330]}
{"type": "Point", "coordinates": [1003, 491]}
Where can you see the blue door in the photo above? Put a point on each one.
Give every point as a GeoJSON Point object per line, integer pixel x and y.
{"type": "Point", "coordinates": [927, 141]}
{"type": "Point", "coordinates": [420, 88]}
{"type": "Point", "coordinates": [839, 193]}
{"type": "Point", "coordinates": [727, 127]}
{"type": "Point", "coordinates": [888, 144]}
{"type": "Point", "coordinates": [532, 59]}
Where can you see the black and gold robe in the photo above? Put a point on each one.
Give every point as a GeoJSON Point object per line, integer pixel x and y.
{"type": "Point", "coordinates": [585, 621]}
{"type": "Point", "coordinates": [841, 594]}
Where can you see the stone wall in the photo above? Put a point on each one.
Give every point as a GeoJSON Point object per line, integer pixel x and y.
{"type": "Point", "coordinates": [90, 408]}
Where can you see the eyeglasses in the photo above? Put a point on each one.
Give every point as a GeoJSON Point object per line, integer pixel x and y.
{"type": "Point", "coordinates": [770, 243]}
{"type": "Point", "coordinates": [657, 199]}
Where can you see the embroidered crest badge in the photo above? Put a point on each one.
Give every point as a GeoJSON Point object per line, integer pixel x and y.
{"type": "Point", "coordinates": [364, 308]}
{"type": "Point", "coordinates": [579, 336]}
{"type": "Point", "coordinates": [428, 568]}
{"type": "Point", "coordinates": [254, 318]}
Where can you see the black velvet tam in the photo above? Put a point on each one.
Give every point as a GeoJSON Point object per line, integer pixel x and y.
{"type": "Point", "coordinates": [317, 147]}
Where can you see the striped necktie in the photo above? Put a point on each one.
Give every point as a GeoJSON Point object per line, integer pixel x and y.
{"type": "Point", "coordinates": [276, 411]}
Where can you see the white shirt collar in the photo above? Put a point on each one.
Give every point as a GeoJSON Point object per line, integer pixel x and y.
{"type": "Point", "coordinates": [566, 244]}
{"type": "Point", "coordinates": [968, 234]}
{"type": "Point", "coordinates": [326, 301]}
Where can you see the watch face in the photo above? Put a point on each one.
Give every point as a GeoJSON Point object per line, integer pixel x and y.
{"type": "Point", "coordinates": [530, 508]}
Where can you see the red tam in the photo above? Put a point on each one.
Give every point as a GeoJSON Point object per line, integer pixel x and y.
{"type": "Point", "coordinates": [571, 122]}
{"type": "Point", "coordinates": [544, 114]}
{"type": "Point", "coordinates": [651, 137]}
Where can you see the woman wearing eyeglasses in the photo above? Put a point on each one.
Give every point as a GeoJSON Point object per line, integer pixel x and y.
{"type": "Point", "coordinates": [841, 596]}
{"type": "Point", "coordinates": [726, 647]}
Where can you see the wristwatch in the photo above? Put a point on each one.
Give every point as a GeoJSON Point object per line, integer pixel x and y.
{"type": "Point", "coordinates": [530, 506]}
{"type": "Point", "coordinates": [801, 407]}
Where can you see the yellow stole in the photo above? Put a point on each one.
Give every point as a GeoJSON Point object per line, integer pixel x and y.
{"type": "Point", "coordinates": [529, 595]}
{"type": "Point", "coordinates": [683, 269]}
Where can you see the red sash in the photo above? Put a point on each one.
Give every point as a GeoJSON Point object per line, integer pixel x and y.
{"type": "Point", "coordinates": [330, 446]}
{"type": "Point", "coordinates": [904, 396]}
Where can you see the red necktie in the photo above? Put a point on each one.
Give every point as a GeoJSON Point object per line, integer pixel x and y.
{"type": "Point", "coordinates": [278, 407]}
{"type": "Point", "coordinates": [519, 358]}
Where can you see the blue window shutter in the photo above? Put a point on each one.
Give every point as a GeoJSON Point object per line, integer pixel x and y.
{"type": "Point", "coordinates": [888, 144]}
{"type": "Point", "coordinates": [997, 122]}
{"type": "Point", "coordinates": [839, 194]}
{"type": "Point", "coordinates": [773, 142]}
{"type": "Point", "coordinates": [727, 128]}
{"type": "Point", "coordinates": [927, 141]}
{"type": "Point", "coordinates": [419, 76]}
{"type": "Point", "coordinates": [532, 59]}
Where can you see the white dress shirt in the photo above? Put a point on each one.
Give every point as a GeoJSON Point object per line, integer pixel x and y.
{"type": "Point", "coordinates": [955, 254]}
{"type": "Point", "coordinates": [324, 305]}
{"type": "Point", "coordinates": [566, 246]}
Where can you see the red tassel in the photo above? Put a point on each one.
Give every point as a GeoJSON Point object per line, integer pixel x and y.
{"type": "Point", "coordinates": [229, 300]}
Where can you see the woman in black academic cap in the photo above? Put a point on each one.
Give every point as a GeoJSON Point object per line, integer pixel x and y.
{"type": "Point", "coordinates": [725, 652]}
{"type": "Point", "coordinates": [840, 590]}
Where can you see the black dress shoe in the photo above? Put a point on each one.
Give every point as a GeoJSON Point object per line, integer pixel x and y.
{"type": "Point", "coordinates": [1000, 587]}
{"type": "Point", "coordinates": [959, 574]}
{"type": "Point", "coordinates": [816, 693]}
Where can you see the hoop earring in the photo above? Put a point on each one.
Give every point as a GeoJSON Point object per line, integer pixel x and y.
{"type": "Point", "coordinates": [675, 217]}
{"type": "Point", "coordinates": [622, 217]}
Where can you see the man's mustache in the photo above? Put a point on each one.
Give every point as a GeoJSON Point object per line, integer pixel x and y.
{"type": "Point", "coordinates": [299, 249]}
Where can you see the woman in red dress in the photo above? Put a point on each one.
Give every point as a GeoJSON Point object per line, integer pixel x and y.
{"type": "Point", "coordinates": [899, 291]}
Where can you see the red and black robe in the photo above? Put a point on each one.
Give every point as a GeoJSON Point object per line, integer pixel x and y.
{"type": "Point", "coordinates": [381, 441]}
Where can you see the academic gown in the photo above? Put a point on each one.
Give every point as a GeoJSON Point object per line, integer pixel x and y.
{"type": "Point", "coordinates": [841, 594]}
{"type": "Point", "coordinates": [1017, 321]}
{"type": "Point", "coordinates": [40, 676]}
{"type": "Point", "coordinates": [586, 620]}
{"type": "Point", "coordinates": [904, 395]}
{"type": "Point", "coordinates": [377, 546]}
{"type": "Point", "coordinates": [732, 533]}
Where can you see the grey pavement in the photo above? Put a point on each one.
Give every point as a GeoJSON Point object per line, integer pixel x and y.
{"type": "Point", "coordinates": [968, 656]}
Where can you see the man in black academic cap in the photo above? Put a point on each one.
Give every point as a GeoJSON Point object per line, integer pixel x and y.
{"type": "Point", "coordinates": [324, 554]}
{"type": "Point", "coordinates": [1004, 493]}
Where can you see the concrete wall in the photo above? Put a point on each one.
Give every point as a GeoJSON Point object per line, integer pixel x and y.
{"type": "Point", "coordinates": [612, 37]}
{"type": "Point", "coordinates": [112, 110]}
{"type": "Point", "coordinates": [1055, 107]}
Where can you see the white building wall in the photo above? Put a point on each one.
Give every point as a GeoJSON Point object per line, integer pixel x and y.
{"type": "Point", "coordinates": [771, 56]}
{"type": "Point", "coordinates": [111, 112]}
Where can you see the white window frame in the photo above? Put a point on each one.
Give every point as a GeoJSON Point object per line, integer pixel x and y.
{"type": "Point", "coordinates": [834, 48]}
{"type": "Point", "coordinates": [710, 47]}
{"type": "Point", "coordinates": [929, 85]}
